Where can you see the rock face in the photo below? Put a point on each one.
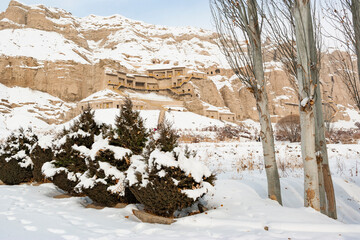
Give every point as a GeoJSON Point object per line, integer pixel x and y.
{"type": "Point", "coordinates": [50, 50]}
{"type": "Point", "coordinates": [67, 80]}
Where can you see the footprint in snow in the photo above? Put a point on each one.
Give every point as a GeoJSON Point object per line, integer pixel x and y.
{"type": "Point", "coordinates": [25, 222]}
{"type": "Point", "coordinates": [70, 237]}
{"type": "Point", "coordinates": [30, 228]}
{"type": "Point", "coordinates": [56, 231]}
{"type": "Point", "coordinates": [11, 218]}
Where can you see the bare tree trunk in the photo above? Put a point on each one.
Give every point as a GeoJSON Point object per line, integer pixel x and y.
{"type": "Point", "coordinates": [240, 41]}
{"type": "Point", "coordinates": [327, 194]}
{"type": "Point", "coordinates": [267, 140]}
{"type": "Point", "coordinates": [355, 10]}
{"type": "Point", "coordinates": [320, 142]}
{"type": "Point", "coordinates": [304, 39]}
{"type": "Point", "coordinates": [266, 132]}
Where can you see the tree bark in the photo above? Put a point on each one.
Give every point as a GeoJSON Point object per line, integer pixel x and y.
{"type": "Point", "coordinates": [305, 37]}
{"type": "Point", "coordinates": [320, 142]}
{"type": "Point", "coordinates": [355, 10]}
{"type": "Point", "coordinates": [266, 132]}
{"type": "Point", "coordinates": [235, 22]}
{"type": "Point", "coordinates": [327, 194]}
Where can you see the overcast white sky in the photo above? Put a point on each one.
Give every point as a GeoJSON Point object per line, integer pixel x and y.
{"type": "Point", "coordinates": [164, 12]}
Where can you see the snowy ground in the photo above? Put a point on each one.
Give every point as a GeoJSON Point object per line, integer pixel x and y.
{"type": "Point", "coordinates": [239, 208]}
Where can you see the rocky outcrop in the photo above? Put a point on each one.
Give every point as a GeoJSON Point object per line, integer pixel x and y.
{"type": "Point", "coordinates": [40, 17]}
{"type": "Point", "coordinates": [67, 80]}
{"type": "Point", "coordinates": [208, 92]}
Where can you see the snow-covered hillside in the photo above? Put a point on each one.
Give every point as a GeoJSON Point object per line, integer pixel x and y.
{"type": "Point", "coordinates": [134, 43]}
{"type": "Point", "coordinates": [42, 45]}
{"type": "Point", "coordinates": [139, 44]}
{"type": "Point", "coordinates": [23, 107]}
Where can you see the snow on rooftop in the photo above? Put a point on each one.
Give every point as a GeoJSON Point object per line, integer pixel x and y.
{"type": "Point", "coordinates": [218, 109]}
{"type": "Point", "coordinates": [102, 95]}
{"type": "Point", "coordinates": [149, 96]}
{"type": "Point", "coordinates": [196, 71]}
{"type": "Point", "coordinates": [162, 67]}
{"type": "Point", "coordinates": [190, 120]}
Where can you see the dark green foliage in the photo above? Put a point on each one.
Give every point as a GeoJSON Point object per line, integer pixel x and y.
{"type": "Point", "coordinates": [99, 193]}
{"type": "Point", "coordinates": [102, 196]}
{"type": "Point", "coordinates": [168, 138]}
{"type": "Point", "coordinates": [10, 170]}
{"type": "Point", "coordinates": [108, 156]}
{"type": "Point", "coordinates": [188, 153]}
{"type": "Point", "coordinates": [70, 159]}
{"type": "Point", "coordinates": [164, 138]}
{"type": "Point", "coordinates": [162, 196]}
{"type": "Point", "coordinates": [39, 156]}
{"type": "Point", "coordinates": [130, 130]}
{"type": "Point", "coordinates": [61, 181]}
{"type": "Point", "coordinates": [81, 133]}
{"type": "Point", "coordinates": [86, 123]}
{"type": "Point", "coordinates": [12, 174]}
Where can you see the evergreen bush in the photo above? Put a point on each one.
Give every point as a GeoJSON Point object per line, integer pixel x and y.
{"type": "Point", "coordinates": [86, 164]}
{"type": "Point", "coordinates": [130, 132]}
{"type": "Point", "coordinates": [15, 163]}
{"type": "Point", "coordinates": [105, 181]}
{"type": "Point", "coordinates": [170, 180]}
{"type": "Point", "coordinates": [41, 153]}
{"type": "Point", "coordinates": [69, 162]}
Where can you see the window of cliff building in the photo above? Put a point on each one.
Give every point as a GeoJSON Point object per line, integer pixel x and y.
{"type": "Point", "coordinates": [217, 71]}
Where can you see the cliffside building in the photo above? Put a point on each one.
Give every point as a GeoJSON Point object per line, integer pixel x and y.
{"type": "Point", "coordinates": [156, 79]}
{"type": "Point", "coordinates": [173, 80]}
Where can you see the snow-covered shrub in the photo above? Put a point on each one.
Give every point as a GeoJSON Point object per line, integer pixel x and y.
{"type": "Point", "coordinates": [15, 163]}
{"type": "Point", "coordinates": [41, 153]}
{"type": "Point", "coordinates": [168, 137]}
{"type": "Point", "coordinates": [105, 180]}
{"type": "Point", "coordinates": [168, 181]}
{"type": "Point", "coordinates": [86, 164]}
{"type": "Point", "coordinates": [130, 132]}
{"type": "Point", "coordinates": [165, 138]}
{"type": "Point", "coordinates": [69, 162]}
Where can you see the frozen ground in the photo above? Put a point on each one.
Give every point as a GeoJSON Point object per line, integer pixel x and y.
{"type": "Point", "coordinates": [239, 208]}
